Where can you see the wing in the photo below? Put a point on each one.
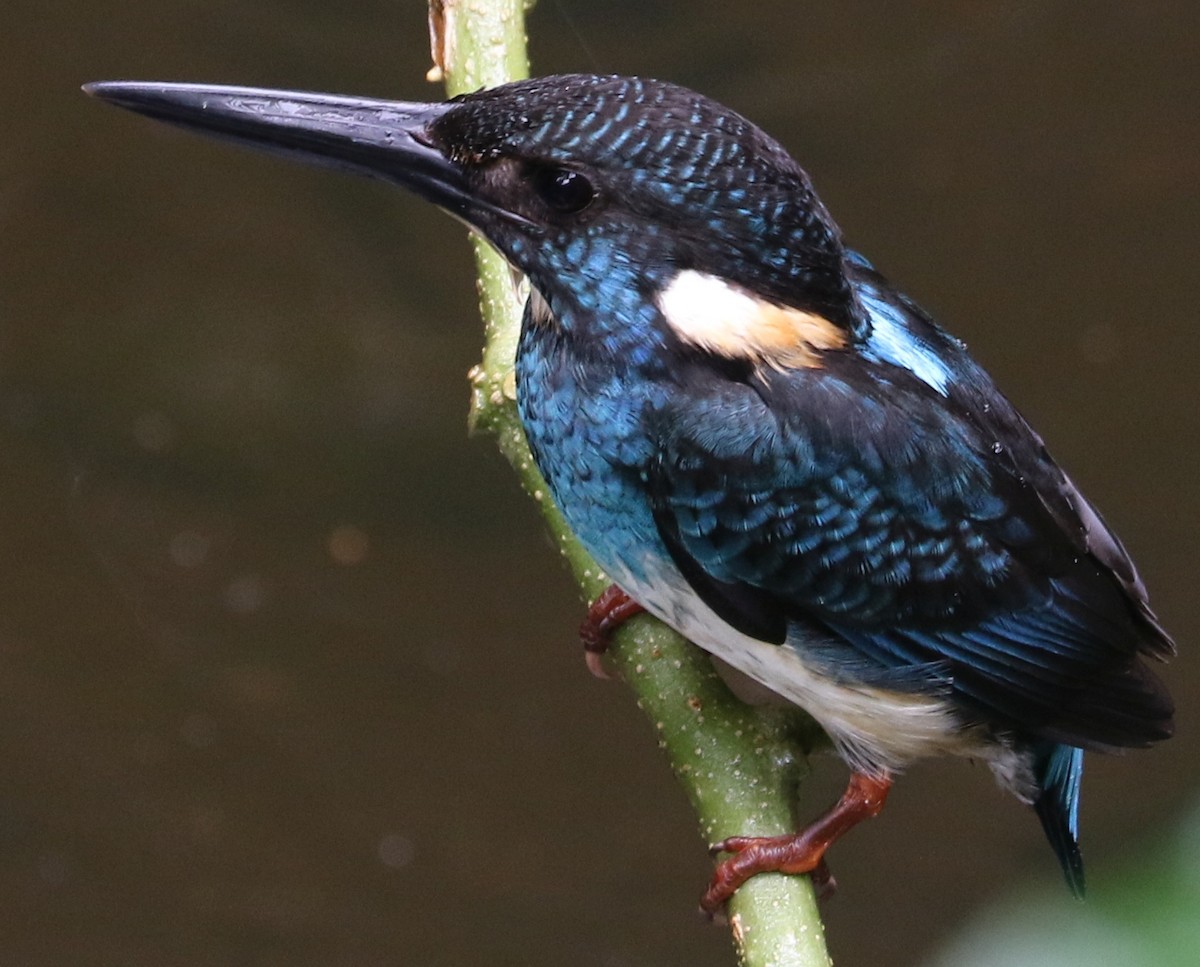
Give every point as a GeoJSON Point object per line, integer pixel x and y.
{"type": "Point", "coordinates": [917, 523]}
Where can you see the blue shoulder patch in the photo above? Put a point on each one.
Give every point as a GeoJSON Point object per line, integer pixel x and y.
{"type": "Point", "coordinates": [891, 341]}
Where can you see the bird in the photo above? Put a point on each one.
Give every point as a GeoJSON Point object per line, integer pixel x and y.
{"type": "Point", "coordinates": [761, 440]}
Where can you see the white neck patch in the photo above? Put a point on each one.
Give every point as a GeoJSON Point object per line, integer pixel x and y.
{"type": "Point", "coordinates": [714, 314]}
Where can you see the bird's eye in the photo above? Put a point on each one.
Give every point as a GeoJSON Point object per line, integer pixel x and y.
{"type": "Point", "coordinates": [564, 190]}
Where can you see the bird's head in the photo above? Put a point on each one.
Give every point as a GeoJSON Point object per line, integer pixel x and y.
{"type": "Point", "coordinates": [590, 185]}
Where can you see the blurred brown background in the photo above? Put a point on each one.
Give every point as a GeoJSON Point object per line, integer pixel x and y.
{"type": "Point", "coordinates": [287, 669]}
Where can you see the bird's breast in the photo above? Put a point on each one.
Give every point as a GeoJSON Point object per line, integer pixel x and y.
{"type": "Point", "coordinates": [587, 429]}
{"type": "Point", "coordinates": [585, 425]}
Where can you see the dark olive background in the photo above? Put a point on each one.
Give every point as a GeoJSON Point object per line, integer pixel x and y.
{"type": "Point", "coordinates": [221, 375]}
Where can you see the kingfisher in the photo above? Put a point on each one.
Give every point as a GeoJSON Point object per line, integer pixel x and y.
{"type": "Point", "coordinates": [761, 440]}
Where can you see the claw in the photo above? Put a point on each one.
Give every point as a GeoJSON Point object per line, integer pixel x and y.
{"type": "Point", "coordinates": [734, 844]}
{"type": "Point", "coordinates": [595, 664]}
{"type": "Point", "coordinates": [607, 613]}
{"type": "Point", "coordinates": [823, 881]}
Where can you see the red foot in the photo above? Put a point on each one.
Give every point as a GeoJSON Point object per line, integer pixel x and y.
{"type": "Point", "coordinates": [803, 852]}
{"type": "Point", "coordinates": [608, 612]}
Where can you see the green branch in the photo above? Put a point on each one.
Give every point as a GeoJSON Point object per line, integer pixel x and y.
{"type": "Point", "coordinates": [739, 765]}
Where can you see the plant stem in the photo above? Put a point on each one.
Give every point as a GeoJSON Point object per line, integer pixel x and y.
{"type": "Point", "coordinates": [739, 765]}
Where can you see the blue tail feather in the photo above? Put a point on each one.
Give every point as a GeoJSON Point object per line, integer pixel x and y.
{"type": "Point", "coordinates": [1059, 769]}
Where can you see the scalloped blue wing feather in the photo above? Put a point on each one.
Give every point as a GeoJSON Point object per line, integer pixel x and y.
{"type": "Point", "coordinates": [915, 522]}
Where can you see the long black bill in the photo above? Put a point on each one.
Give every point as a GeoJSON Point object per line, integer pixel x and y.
{"type": "Point", "coordinates": [383, 139]}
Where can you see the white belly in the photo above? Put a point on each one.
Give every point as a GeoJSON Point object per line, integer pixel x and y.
{"type": "Point", "coordinates": [874, 729]}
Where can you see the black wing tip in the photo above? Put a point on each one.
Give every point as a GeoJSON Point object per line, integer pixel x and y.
{"type": "Point", "coordinates": [1158, 644]}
